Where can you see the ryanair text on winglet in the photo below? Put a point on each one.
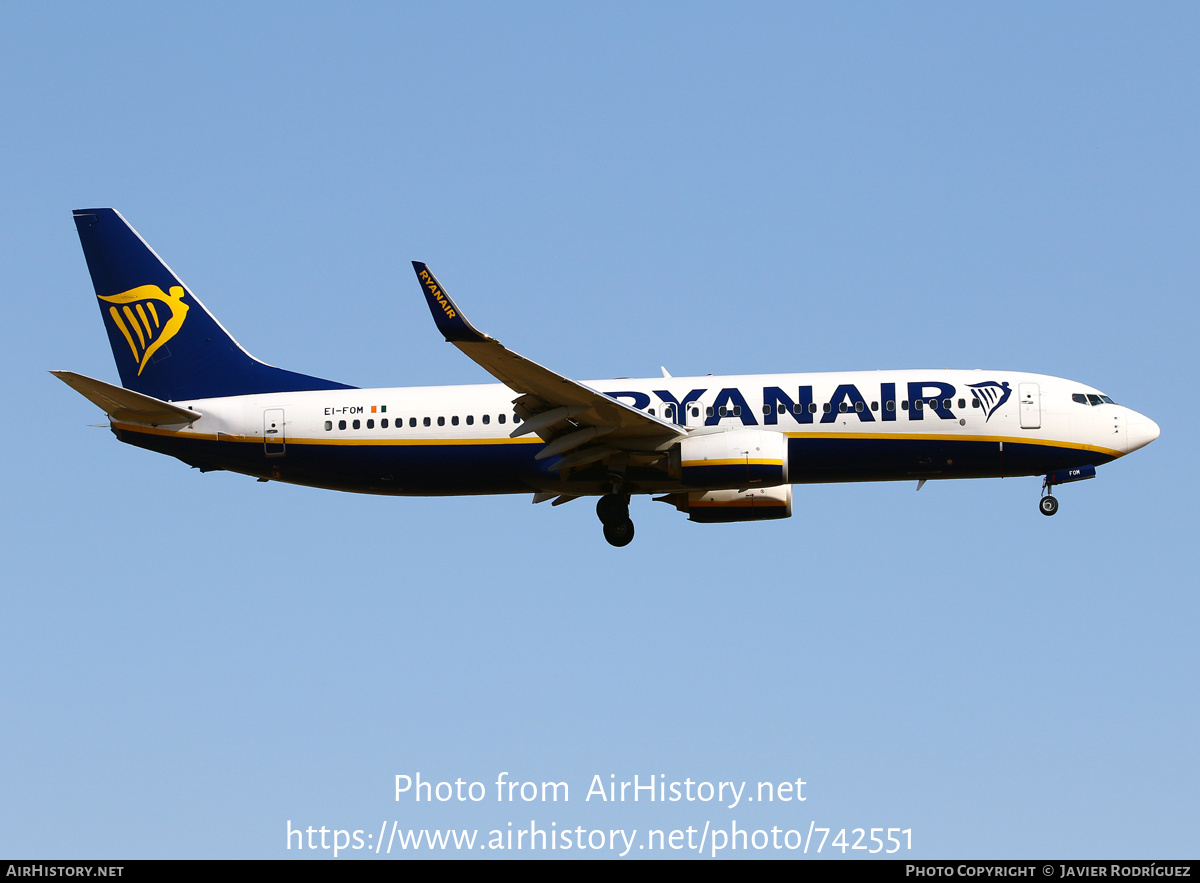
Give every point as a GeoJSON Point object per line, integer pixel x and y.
{"type": "Point", "coordinates": [437, 293]}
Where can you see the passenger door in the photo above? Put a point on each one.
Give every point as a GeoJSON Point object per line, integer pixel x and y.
{"type": "Point", "coordinates": [1031, 405]}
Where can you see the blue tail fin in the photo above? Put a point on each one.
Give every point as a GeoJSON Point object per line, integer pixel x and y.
{"type": "Point", "coordinates": [167, 345]}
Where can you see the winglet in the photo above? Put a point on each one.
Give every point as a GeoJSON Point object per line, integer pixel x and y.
{"type": "Point", "coordinates": [449, 318]}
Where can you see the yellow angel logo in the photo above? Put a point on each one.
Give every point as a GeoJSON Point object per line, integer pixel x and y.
{"type": "Point", "coordinates": [140, 313]}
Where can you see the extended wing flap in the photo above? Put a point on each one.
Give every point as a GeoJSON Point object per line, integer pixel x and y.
{"type": "Point", "coordinates": [521, 375]}
{"type": "Point", "coordinates": [124, 404]}
{"type": "Point", "coordinates": [529, 378]}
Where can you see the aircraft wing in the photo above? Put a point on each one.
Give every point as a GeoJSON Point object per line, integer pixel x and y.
{"type": "Point", "coordinates": [565, 413]}
{"type": "Point", "coordinates": [126, 405]}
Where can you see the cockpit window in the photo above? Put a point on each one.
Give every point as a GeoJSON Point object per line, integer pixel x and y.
{"type": "Point", "coordinates": [1107, 400]}
{"type": "Point", "coordinates": [1091, 399]}
{"type": "Point", "coordinates": [1079, 397]}
{"type": "Point", "coordinates": [1094, 399]}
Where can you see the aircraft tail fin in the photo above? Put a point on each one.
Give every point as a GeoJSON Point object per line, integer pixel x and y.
{"type": "Point", "coordinates": [166, 344]}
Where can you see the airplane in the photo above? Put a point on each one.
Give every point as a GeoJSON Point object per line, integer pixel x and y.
{"type": "Point", "coordinates": [719, 449]}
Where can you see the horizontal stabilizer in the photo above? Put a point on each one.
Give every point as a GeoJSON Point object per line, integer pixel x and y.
{"type": "Point", "coordinates": [125, 404]}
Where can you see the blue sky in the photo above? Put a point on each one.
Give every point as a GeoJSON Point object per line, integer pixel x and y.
{"type": "Point", "coordinates": [190, 661]}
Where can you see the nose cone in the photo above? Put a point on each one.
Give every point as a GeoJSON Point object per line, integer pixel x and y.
{"type": "Point", "coordinates": [1141, 431]}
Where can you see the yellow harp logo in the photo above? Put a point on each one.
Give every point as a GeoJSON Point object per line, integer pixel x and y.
{"type": "Point", "coordinates": [139, 312]}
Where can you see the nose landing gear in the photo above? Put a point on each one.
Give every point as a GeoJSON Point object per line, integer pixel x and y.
{"type": "Point", "coordinates": [613, 512]}
{"type": "Point", "coordinates": [1047, 505]}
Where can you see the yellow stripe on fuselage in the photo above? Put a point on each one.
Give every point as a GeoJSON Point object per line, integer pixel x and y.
{"type": "Point", "coordinates": [736, 461]}
{"type": "Point", "coordinates": [735, 504]}
{"type": "Point", "coordinates": [259, 439]}
{"type": "Point", "coordinates": [415, 441]}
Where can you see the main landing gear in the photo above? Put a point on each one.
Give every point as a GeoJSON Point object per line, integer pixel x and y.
{"type": "Point", "coordinates": [613, 511]}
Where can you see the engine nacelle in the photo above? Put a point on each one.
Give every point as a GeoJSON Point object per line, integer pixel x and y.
{"type": "Point", "coordinates": [742, 458]}
{"type": "Point", "coordinates": [719, 507]}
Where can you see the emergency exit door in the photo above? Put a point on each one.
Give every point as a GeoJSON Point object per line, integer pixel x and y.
{"type": "Point", "coordinates": [274, 442]}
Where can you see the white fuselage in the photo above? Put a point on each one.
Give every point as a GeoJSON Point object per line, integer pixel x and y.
{"type": "Point", "coordinates": [840, 426]}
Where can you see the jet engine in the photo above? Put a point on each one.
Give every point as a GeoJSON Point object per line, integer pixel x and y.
{"type": "Point", "coordinates": [720, 507]}
{"type": "Point", "coordinates": [741, 458]}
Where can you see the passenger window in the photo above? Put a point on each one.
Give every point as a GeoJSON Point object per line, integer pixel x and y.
{"type": "Point", "coordinates": [766, 408]}
{"type": "Point", "coordinates": [454, 420]}
{"type": "Point", "coordinates": [812, 407]}
{"type": "Point", "coordinates": [708, 412]}
{"type": "Point", "coordinates": [962, 403]}
{"type": "Point", "coordinates": [843, 408]}
{"type": "Point", "coordinates": [470, 420]}
{"type": "Point", "coordinates": [516, 418]}
{"type": "Point", "coordinates": [356, 424]}
{"type": "Point", "coordinates": [737, 410]}
{"type": "Point", "coordinates": [891, 405]}
{"type": "Point", "coordinates": [341, 424]}
{"type": "Point", "coordinates": [500, 419]}
{"type": "Point", "coordinates": [650, 411]}
{"type": "Point", "coordinates": [796, 409]}
{"type": "Point", "coordinates": [487, 418]}
{"type": "Point", "coordinates": [826, 408]}
{"type": "Point", "coordinates": [874, 406]}
{"type": "Point", "coordinates": [920, 404]}
{"type": "Point", "coordinates": [695, 412]}
{"type": "Point", "coordinates": [858, 406]}
{"type": "Point", "coordinates": [328, 425]}
{"type": "Point", "coordinates": [370, 424]}
{"type": "Point", "coordinates": [668, 412]}
{"type": "Point", "coordinates": [426, 421]}
{"type": "Point", "coordinates": [441, 421]}
{"type": "Point", "coordinates": [946, 404]}
{"type": "Point", "coordinates": [904, 405]}
{"type": "Point", "coordinates": [975, 403]}
{"type": "Point", "coordinates": [383, 424]}
{"type": "Point", "coordinates": [412, 421]}
{"type": "Point", "coordinates": [722, 411]}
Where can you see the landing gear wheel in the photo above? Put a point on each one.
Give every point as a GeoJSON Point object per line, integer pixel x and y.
{"type": "Point", "coordinates": [619, 533]}
{"type": "Point", "coordinates": [1048, 505]}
